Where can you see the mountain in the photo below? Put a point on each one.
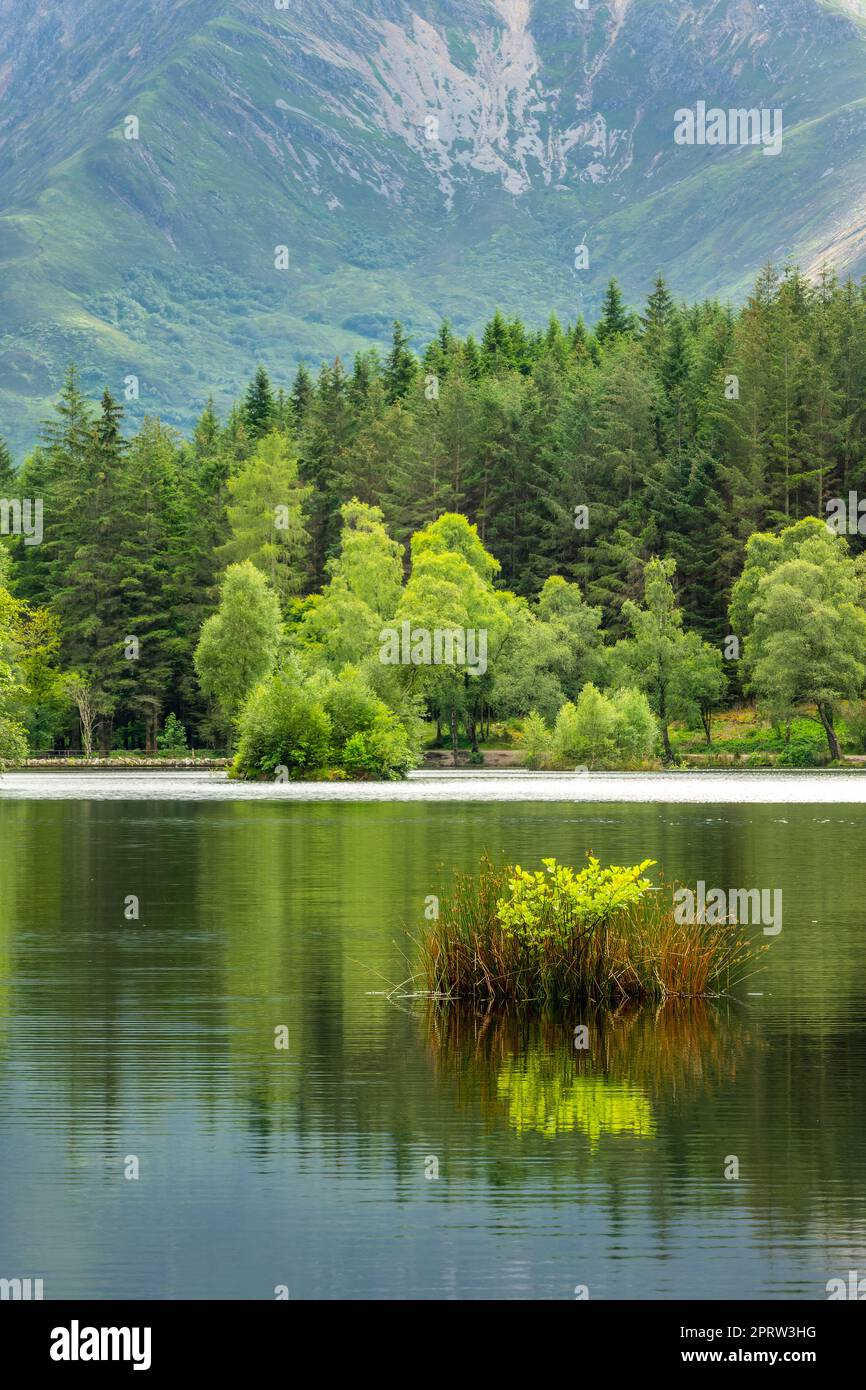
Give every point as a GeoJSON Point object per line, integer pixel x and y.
{"type": "Point", "coordinates": [416, 158]}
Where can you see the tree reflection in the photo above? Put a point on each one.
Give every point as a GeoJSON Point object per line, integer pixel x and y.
{"type": "Point", "coordinates": [536, 1074]}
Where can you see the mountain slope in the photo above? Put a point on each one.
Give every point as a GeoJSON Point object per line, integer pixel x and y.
{"type": "Point", "coordinates": [310, 128]}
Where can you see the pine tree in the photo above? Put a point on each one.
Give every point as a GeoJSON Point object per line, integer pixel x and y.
{"type": "Point", "coordinates": [259, 405]}
{"type": "Point", "coordinates": [7, 469]}
{"type": "Point", "coordinates": [472, 363]}
{"type": "Point", "coordinates": [401, 366]}
{"type": "Point", "coordinates": [207, 432]}
{"type": "Point", "coordinates": [302, 395]}
{"type": "Point", "coordinates": [497, 348]}
{"type": "Point", "coordinates": [365, 378]}
{"type": "Point", "coordinates": [675, 373]}
{"type": "Point", "coordinates": [615, 321]}
{"type": "Point", "coordinates": [158, 606]}
{"type": "Point", "coordinates": [655, 319]}
{"type": "Point", "coordinates": [89, 584]}
{"type": "Point", "coordinates": [554, 344]}
{"type": "Point", "coordinates": [331, 428]}
{"type": "Point", "coordinates": [51, 472]}
{"type": "Point", "coordinates": [578, 337]}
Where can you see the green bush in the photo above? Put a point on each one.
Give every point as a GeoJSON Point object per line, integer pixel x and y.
{"type": "Point", "coordinates": [556, 903]}
{"type": "Point", "coordinates": [802, 752]}
{"type": "Point", "coordinates": [583, 732]}
{"type": "Point", "coordinates": [349, 702]}
{"type": "Point", "coordinates": [173, 737]}
{"type": "Point", "coordinates": [635, 730]}
{"type": "Point", "coordinates": [13, 741]}
{"type": "Point", "coordinates": [505, 935]}
{"type": "Point", "coordinates": [855, 727]}
{"type": "Point", "coordinates": [537, 741]}
{"type": "Point", "coordinates": [328, 722]}
{"type": "Point", "coordinates": [382, 750]}
{"type": "Point", "coordinates": [600, 730]}
{"type": "Point", "coordinates": [282, 725]}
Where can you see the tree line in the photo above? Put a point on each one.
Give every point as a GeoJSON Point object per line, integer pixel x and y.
{"type": "Point", "coordinates": [602, 470]}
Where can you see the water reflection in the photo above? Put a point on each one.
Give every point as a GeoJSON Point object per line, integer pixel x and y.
{"type": "Point", "coordinates": [597, 1078]}
{"type": "Point", "coordinates": [307, 1167]}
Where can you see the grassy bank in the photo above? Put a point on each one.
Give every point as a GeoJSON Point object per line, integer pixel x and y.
{"type": "Point", "coordinates": [739, 738]}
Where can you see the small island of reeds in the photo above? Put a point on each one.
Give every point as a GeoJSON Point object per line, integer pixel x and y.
{"type": "Point", "coordinates": [601, 934]}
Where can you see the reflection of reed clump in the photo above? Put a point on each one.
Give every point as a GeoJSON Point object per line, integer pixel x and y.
{"type": "Point", "coordinates": [528, 1070]}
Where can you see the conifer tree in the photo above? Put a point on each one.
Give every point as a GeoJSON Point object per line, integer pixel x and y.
{"type": "Point", "coordinates": [655, 318]}
{"type": "Point", "coordinates": [7, 469]}
{"type": "Point", "coordinates": [497, 349]}
{"type": "Point", "coordinates": [302, 395]}
{"type": "Point", "coordinates": [259, 405]}
{"type": "Point", "coordinates": [472, 359]}
{"type": "Point", "coordinates": [615, 321]}
{"type": "Point", "coordinates": [401, 366]}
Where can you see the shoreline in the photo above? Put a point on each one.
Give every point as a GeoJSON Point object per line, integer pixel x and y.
{"type": "Point", "coordinates": [837, 787]}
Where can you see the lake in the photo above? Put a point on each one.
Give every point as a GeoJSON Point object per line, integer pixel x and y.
{"type": "Point", "coordinates": [390, 1150]}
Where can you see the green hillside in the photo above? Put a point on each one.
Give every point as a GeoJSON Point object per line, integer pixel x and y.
{"type": "Point", "coordinates": [305, 128]}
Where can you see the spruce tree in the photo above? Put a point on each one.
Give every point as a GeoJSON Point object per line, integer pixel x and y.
{"type": "Point", "coordinates": [51, 472]}
{"type": "Point", "coordinates": [472, 363]}
{"type": "Point", "coordinates": [302, 395]}
{"type": "Point", "coordinates": [331, 429]}
{"type": "Point", "coordinates": [259, 405]}
{"type": "Point", "coordinates": [497, 347]}
{"type": "Point", "coordinates": [207, 432]}
{"type": "Point", "coordinates": [615, 321]}
{"type": "Point", "coordinates": [7, 469]}
{"type": "Point", "coordinates": [89, 582]}
{"type": "Point", "coordinates": [401, 366]}
{"type": "Point", "coordinates": [655, 318]}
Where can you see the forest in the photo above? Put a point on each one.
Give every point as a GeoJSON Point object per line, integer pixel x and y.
{"type": "Point", "coordinates": [650, 521]}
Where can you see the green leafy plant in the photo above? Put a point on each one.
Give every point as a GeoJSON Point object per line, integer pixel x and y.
{"type": "Point", "coordinates": [173, 737]}
{"type": "Point", "coordinates": [555, 903]}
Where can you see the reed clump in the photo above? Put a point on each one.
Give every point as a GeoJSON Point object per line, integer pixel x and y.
{"type": "Point", "coordinates": [602, 934]}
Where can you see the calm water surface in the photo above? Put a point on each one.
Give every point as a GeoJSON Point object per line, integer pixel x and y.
{"type": "Point", "coordinates": [307, 1166]}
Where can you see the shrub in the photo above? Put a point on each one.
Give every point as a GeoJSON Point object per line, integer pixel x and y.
{"type": "Point", "coordinates": [282, 725]}
{"type": "Point", "coordinates": [173, 737]}
{"type": "Point", "coordinates": [855, 727]}
{"type": "Point", "coordinates": [599, 730]}
{"type": "Point", "coordinates": [369, 739]}
{"type": "Point", "coordinates": [635, 730]}
{"type": "Point", "coordinates": [554, 904]}
{"type": "Point", "coordinates": [537, 741]}
{"type": "Point", "coordinates": [13, 741]}
{"type": "Point", "coordinates": [327, 722]}
{"type": "Point", "coordinates": [802, 752]}
{"type": "Point", "coordinates": [565, 738]}
{"type": "Point", "coordinates": [587, 737]}
{"type": "Point", "coordinates": [350, 703]}
{"type": "Point", "coordinates": [382, 750]}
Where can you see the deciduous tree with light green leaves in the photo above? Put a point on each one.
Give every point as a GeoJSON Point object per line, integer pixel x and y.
{"type": "Point", "coordinates": [342, 623]}
{"type": "Point", "coordinates": [30, 694]}
{"type": "Point", "coordinates": [552, 648]}
{"type": "Point", "coordinates": [13, 737]}
{"type": "Point", "coordinates": [266, 515]}
{"type": "Point", "coordinates": [450, 588]}
{"type": "Point", "coordinates": [799, 604]}
{"type": "Point", "coordinates": [596, 731]}
{"type": "Point", "coordinates": [239, 643]}
{"type": "Point", "coordinates": [675, 668]}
